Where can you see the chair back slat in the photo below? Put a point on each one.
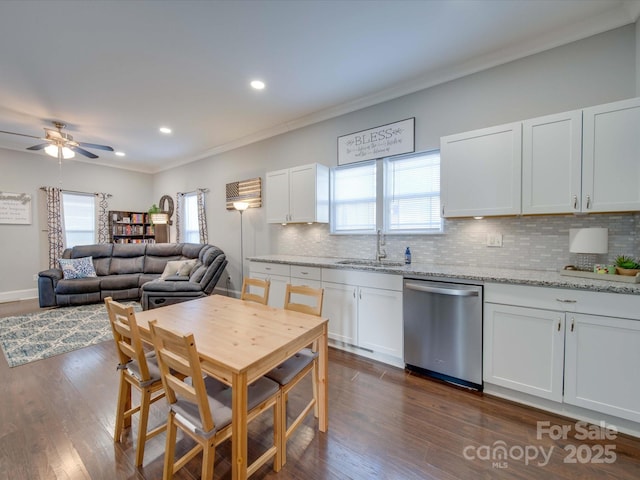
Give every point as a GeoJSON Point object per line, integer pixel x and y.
{"type": "Point", "coordinates": [303, 290]}
{"type": "Point", "coordinates": [250, 296]}
{"type": "Point", "coordinates": [181, 371]}
{"type": "Point", "coordinates": [127, 336]}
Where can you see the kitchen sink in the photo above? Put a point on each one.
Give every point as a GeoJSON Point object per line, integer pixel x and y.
{"type": "Point", "coordinates": [370, 263]}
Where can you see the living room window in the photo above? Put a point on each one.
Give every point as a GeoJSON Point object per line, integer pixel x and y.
{"type": "Point", "coordinates": [191, 227]}
{"type": "Point", "coordinates": [79, 218]}
{"type": "Point", "coordinates": [398, 195]}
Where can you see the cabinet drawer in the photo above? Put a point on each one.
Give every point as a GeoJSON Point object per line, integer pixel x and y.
{"type": "Point", "coordinates": [311, 273]}
{"type": "Point", "coordinates": [564, 299]}
{"type": "Point", "coordinates": [387, 281]}
{"type": "Point", "coordinates": [270, 268]}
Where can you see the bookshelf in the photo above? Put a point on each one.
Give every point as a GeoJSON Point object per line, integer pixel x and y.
{"type": "Point", "coordinates": [130, 227]}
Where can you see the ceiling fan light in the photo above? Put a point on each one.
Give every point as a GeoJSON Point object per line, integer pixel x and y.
{"type": "Point", "coordinates": [52, 150]}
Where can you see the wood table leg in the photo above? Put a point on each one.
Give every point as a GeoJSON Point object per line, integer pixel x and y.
{"type": "Point", "coordinates": [323, 383]}
{"type": "Point", "coordinates": [239, 426]}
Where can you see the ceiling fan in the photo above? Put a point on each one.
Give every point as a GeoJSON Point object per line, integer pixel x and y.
{"type": "Point", "coordinates": [60, 144]}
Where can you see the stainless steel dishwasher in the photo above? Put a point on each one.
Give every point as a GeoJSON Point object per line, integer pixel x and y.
{"type": "Point", "coordinates": [443, 330]}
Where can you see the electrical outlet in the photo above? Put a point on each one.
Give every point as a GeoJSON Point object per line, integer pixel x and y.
{"type": "Point", "coordinates": [494, 239]}
{"type": "Point", "coordinates": [35, 277]}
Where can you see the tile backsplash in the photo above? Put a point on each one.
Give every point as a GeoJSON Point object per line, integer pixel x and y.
{"type": "Point", "coordinates": [530, 243]}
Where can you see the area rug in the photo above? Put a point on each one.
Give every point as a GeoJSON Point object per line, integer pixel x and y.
{"type": "Point", "coordinates": [34, 336]}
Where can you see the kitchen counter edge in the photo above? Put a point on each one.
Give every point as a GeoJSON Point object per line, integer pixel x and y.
{"type": "Point", "coordinates": [539, 278]}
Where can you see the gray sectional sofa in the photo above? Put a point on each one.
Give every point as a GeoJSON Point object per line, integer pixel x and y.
{"type": "Point", "coordinates": [132, 271]}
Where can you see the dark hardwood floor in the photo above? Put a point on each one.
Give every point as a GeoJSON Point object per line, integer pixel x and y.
{"type": "Point", "coordinates": [56, 422]}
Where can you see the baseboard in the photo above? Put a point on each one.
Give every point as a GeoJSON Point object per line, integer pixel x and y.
{"type": "Point", "coordinates": [18, 295]}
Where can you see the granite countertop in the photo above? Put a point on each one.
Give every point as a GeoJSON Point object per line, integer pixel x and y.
{"type": "Point", "coordinates": [538, 278]}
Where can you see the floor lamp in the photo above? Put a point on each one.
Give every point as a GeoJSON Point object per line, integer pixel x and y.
{"type": "Point", "coordinates": [241, 207]}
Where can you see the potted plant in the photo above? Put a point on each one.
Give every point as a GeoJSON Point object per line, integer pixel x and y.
{"type": "Point", "coordinates": [627, 266]}
{"type": "Point", "coordinates": [156, 215]}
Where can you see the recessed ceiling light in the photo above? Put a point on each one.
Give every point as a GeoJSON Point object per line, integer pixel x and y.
{"type": "Point", "coordinates": [120, 154]}
{"type": "Point", "coordinates": [165, 130]}
{"type": "Point", "coordinates": [257, 84]}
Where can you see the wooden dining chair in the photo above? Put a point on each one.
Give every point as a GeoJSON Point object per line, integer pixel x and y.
{"type": "Point", "coordinates": [137, 369]}
{"type": "Point", "coordinates": [201, 405]}
{"type": "Point", "coordinates": [290, 372]}
{"type": "Point", "coordinates": [248, 295]}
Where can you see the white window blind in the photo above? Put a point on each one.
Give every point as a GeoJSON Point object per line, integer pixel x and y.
{"type": "Point", "coordinates": [412, 193]}
{"type": "Point", "coordinates": [353, 198]}
{"type": "Point", "coordinates": [79, 216]}
{"type": "Point", "coordinates": [191, 229]}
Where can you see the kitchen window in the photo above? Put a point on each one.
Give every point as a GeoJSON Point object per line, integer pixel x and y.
{"type": "Point", "coordinates": [353, 198]}
{"type": "Point", "coordinates": [79, 217]}
{"type": "Point", "coordinates": [398, 195]}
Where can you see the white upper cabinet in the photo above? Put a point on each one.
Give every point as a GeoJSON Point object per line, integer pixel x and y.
{"type": "Point", "coordinates": [611, 157]}
{"type": "Point", "coordinates": [481, 172]}
{"type": "Point", "coordinates": [552, 163]}
{"type": "Point", "coordinates": [299, 194]}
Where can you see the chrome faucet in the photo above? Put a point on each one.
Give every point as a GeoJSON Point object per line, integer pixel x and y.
{"type": "Point", "coordinates": [380, 253]}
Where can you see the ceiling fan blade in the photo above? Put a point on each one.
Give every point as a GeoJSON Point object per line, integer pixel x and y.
{"type": "Point", "coordinates": [39, 147]}
{"type": "Point", "coordinates": [82, 151]}
{"type": "Point", "coordinates": [93, 145]}
{"type": "Point", "coordinates": [21, 134]}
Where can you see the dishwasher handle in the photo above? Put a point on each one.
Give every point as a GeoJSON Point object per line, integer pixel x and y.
{"type": "Point", "coordinates": [458, 292]}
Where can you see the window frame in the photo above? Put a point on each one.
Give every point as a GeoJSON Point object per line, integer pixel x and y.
{"type": "Point", "coordinates": [65, 220]}
{"type": "Point", "coordinates": [187, 233]}
{"type": "Point", "coordinates": [381, 200]}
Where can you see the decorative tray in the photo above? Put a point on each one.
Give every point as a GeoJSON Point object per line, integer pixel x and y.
{"type": "Point", "coordinates": [602, 276]}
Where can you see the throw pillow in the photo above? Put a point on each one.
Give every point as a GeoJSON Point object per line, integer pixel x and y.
{"type": "Point", "coordinates": [187, 266]}
{"type": "Point", "coordinates": [77, 267]}
{"type": "Point", "coordinates": [173, 267]}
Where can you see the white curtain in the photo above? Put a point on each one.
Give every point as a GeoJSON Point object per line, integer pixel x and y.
{"type": "Point", "coordinates": [54, 225]}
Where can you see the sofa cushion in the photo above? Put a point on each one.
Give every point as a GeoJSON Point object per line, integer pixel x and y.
{"type": "Point", "coordinates": [120, 282]}
{"type": "Point", "coordinates": [78, 285]}
{"type": "Point", "coordinates": [158, 254]}
{"type": "Point", "coordinates": [127, 258]}
{"type": "Point", "coordinates": [77, 268]}
{"type": "Point", "coordinates": [192, 250]}
{"type": "Point", "coordinates": [171, 286]}
{"type": "Point", "coordinates": [147, 277]}
{"type": "Point", "coordinates": [100, 253]}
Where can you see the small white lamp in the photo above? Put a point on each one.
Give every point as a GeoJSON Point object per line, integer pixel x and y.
{"type": "Point", "coordinates": [588, 242]}
{"type": "Point", "coordinates": [241, 207]}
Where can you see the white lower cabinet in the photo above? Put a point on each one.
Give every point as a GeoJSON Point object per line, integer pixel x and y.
{"type": "Point", "coordinates": [601, 365]}
{"type": "Point", "coordinates": [380, 321]}
{"type": "Point", "coordinates": [278, 274]}
{"type": "Point", "coordinates": [365, 311]}
{"type": "Point", "coordinates": [524, 349]}
{"type": "Point", "coordinates": [561, 352]}
{"type": "Point", "coordinates": [340, 306]}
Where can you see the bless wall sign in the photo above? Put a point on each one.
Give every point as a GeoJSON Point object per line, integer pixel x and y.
{"type": "Point", "coordinates": [384, 141]}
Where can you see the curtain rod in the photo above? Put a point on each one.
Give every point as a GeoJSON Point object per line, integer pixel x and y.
{"type": "Point", "coordinates": [82, 193]}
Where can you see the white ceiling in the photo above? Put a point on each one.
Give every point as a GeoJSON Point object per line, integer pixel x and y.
{"type": "Point", "coordinates": [115, 71]}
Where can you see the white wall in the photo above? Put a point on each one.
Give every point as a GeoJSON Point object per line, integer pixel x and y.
{"type": "Point", "coordinates": [596, 70]}
{"type": "Point", "coordinates": [24, 247]}
{"type": "Point", "coordinates": [638, 58]}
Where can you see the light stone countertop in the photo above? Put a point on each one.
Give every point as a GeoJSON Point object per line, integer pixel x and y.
{"type": "Point", "coordinates": [537, 278]}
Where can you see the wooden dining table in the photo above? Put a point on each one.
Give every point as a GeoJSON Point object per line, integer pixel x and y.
{"type": "Point", "coordinates": [240, 341]}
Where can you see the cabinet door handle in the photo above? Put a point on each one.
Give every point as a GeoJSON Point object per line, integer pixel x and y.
{"type": "Point", "coordinates": [588, 202]}
{"type": "Point", "coordinates": [562, 300]}
{"type": "Point", "coordinates": [354, 293]}
{"type": "Point", "coordinates": [304, 273]}
{"type": "Point", "coordinates": [559, 323]}
{"type": "Point", "coordinates": [575, 202]}
{"type": "Point", "coordinates": [360, 294]}
{"type": "Point", "coordinates": [443, 210]}
{"type": "Point", "coordinates": [573, 323]}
